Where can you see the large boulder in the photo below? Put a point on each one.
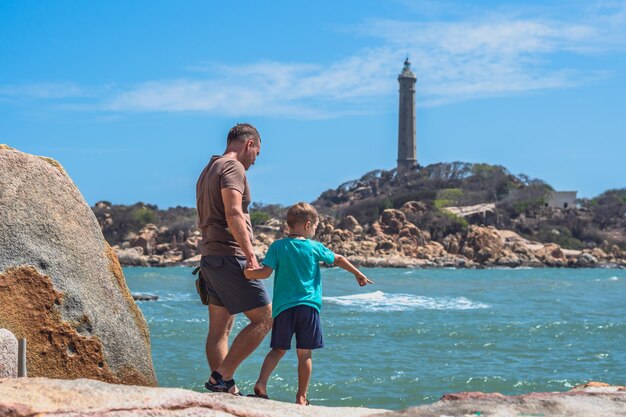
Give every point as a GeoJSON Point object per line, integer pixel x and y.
{"type": "Point", "coordinates": [392, 220]}
{"type": "Point", "coordinates": [147, 239]}
{"type": "Point", "coordinates": [414, 208]}
{"type": "Point", "coordinates": [8, 354]}
{"type": "Point", "coordinates": [451, 244]}
{"type": "Point", "coordinates": [486, 243]}
{"type": "Point", "coordinates": [415, 234]}
{"type": "Point", "coordinates": [131, 256]}
{"type": "Point", "coordinates": [350, 223]}
{"type": "Point", "coordinates": [551, 254]}
{"type": "Point", "coordinates": [586, 260]}
{"type": "Point", "coordinates": [61, 285]}
{"type": "Point", "coordinates": [431, 251]}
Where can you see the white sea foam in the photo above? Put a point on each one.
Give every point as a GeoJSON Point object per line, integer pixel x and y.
{"type": "Point", "coordinates": [380, 301]}
{"type": "Point", "coordinates": [177, 296]}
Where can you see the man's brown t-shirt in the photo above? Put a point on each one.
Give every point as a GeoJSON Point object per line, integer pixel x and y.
{"type": "Point", "coordinates": [221, 172]}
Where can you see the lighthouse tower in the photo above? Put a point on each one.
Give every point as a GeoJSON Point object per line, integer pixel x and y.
{"type": "Point", "coordinates": [407, 144]}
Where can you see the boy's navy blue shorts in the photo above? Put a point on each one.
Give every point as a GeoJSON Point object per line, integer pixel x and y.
{"type": "Point", "coordinates": [302, 320]}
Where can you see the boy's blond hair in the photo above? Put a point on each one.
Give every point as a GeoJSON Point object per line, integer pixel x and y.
{"type": "Point", "coordinates": [300, 213]}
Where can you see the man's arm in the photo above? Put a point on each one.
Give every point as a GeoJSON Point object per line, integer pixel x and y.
{"type": "Point", "coordinates": [237, 224]}
{"type": "Point", "coordinates": [344, 263]}
{"type": "Point", "coordinates": [261, 273]}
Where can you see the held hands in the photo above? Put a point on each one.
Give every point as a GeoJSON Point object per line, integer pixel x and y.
{"type": "Point", "coordinates": [258, 273]}
{"type": "Point", "coordinates": [362, 279]}
{"type": "Point", "coordinates": [251, 262]}
{"type": "Point", "coordinates": [252, 265]}
{"type": "Point", "coordinates": [249, 272]}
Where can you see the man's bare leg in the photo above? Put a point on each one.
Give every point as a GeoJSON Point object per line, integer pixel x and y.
{"type": "Point", "coordinates": [247, 340]}
{"type": "Point", "coordinates": [305, 368]}
{"type": "Point", "coordinates": [220, 324]}
{"type": "Point", "coordinates": [269, 364]}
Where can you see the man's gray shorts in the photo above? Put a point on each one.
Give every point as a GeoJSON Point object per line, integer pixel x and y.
{"type": "Point", "coordinates": [228, 287]}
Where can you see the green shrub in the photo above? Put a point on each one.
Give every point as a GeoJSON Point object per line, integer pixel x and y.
{"type": "Point", "coordinates": [559, 235]}
{"type": "Point", "coordinates": [443, 203]}
{"type": "Point", "coordinates": [456, 221]}
{"type": "Point", "coordinates": [143, 215]}
{"type": "Point", "coordinates": [259, 217]}
{"type": "Point", "coordinates": [452, 194]}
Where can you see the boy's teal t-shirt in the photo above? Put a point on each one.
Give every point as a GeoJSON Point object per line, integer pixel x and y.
{"type": "Point", "coordinates": [297, 279]}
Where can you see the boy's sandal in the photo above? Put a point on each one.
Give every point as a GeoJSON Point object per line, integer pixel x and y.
{"type": "Point", "coordinates": [220, 384]}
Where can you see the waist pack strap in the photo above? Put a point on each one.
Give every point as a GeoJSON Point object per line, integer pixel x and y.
{"type": "Point", "coordinates": [200, 287]}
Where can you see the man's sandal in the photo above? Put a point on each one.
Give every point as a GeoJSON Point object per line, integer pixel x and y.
{"type": "Point", "coordinates": [220, 385]}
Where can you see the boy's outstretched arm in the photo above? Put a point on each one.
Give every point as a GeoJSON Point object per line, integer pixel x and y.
{"type": "Point", "coordinates": [260, 273]}
{"type": "Point", "coordinates": [344, 263]}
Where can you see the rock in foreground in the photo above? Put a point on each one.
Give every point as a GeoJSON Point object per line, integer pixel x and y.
{"type": "Point", "coordinates": [594, 399]}
{"type": "Point", "coordinates": [61, 286]}
{"type": "Point", "coordinates": [40, 396]}
{"type": "Point", "coordinates": [24, 397]}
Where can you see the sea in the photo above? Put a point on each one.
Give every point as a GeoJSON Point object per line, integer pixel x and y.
{"type": "Point", "coordinates": [416, 334]}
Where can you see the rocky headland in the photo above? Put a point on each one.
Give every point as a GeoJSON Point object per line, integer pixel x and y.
{"type": "Point", "coordinates": [443, 215]}
{"type": "Point", "coordinates": [392, 240]}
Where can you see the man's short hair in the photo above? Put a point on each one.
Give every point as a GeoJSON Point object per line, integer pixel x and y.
{"type": "Point", "coordinates": [300, 213]}
{"type": "Point", "coordinates": [243, 132]}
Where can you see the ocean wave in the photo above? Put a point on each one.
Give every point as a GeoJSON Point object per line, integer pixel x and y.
{"type": "Point", "coordinates": [380, 301]}
{"type": "Point", "coordinates": [176, 296]}
{"type": "Point", "coordinates": [612, 279]}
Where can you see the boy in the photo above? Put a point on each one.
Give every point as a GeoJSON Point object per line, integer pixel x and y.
{"type": "Point", "coordinates": [297, 295]}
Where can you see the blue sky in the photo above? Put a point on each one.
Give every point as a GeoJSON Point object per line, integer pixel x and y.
{"type": "Point", "coordinates": [134, 97]}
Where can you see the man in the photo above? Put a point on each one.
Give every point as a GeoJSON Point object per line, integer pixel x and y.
{"type": "Point", "coordinates": [222, 198]}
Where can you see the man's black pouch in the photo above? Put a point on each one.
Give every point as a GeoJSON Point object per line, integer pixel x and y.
{"type": "Point", "coordinates": [201, 287]}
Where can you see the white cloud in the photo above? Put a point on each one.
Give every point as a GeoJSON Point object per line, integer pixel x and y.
{"type": "Point", "coordinates": [268, 88]}
{"type": "Point", "coordinates": [458, 57]}
{"type": "Point", "coordinates": [485, 56]}
{"type": "Point", "coordinates": [494, 56]}
{"type": "Point", "coordinates": [41, 91]}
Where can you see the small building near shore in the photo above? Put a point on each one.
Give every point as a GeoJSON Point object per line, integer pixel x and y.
{"type": "Point", "coordinates": [561, 199]}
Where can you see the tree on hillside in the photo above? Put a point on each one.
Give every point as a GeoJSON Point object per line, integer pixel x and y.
{"type": "Point", "coordinates": [609, 208]}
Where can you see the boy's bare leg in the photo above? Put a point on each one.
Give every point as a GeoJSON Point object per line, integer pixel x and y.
{"type": "Point", "coordinates": [220, 324]}
{"type": "Point", "coordinates": [305, 368]}
{"type": "Point", "coordinates": [269, 364]}
{"type": "Point", "coordinates": [247, 340]}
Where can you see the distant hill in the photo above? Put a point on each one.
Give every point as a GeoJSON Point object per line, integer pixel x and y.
{"type": "Point", "coordinates": [519, 203]}
{"type": "Point", "coordinates": [441, 185]}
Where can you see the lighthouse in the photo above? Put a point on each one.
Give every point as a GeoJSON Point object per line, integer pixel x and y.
{"type": "Point", "coordinates": [407, 144]}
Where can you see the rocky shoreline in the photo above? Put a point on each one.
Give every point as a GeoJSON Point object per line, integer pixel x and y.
{"type": "Point", "coordinates": [391, 241]}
